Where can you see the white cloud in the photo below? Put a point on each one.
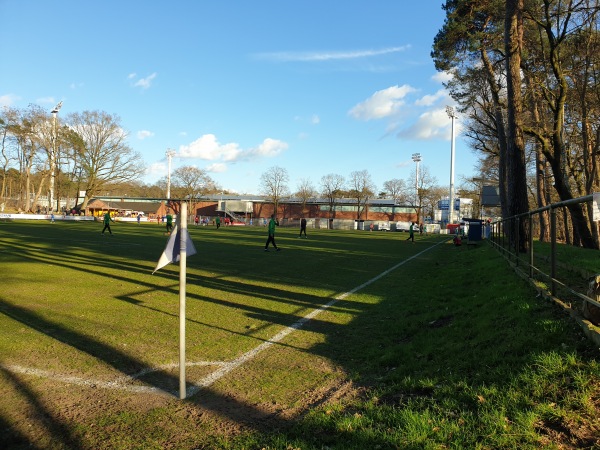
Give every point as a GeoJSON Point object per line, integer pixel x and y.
{"type": "Point", "coordinates": [49, 100]}
{"type": "Point", "coordinates": [429, 100]}
{"type": "Point", "coordinates": [442, 77]}
{"type": "Point", "coordinates": [143, 134]}
{"type": "Point", "coordinates": [131, 76]}
{"type": "Point", "coordinates": [158, 169]}
{"type": "Point", "coordinates": [269, 148]}
{"type": "Point", "coordinates": [216, 168]}
{"type": "Point", "coordinates": [8, 100]}
{"type": "Point", "coordinates": [207, 147]}
{"type": "Point", "coordinates": [404, 163]}
{"type": "Point", "coordinates": [327, 56]}
{"type": "Point", "coordinates": [145, 83]}
{"type": "Point", "coordinates": [382, 103]}
{"type": "Point", "coordinates": [313, 120]}
{"type": "Point", "coordinates": [433, 124]}
{"type": "Point", "coordinates": [392, 104]}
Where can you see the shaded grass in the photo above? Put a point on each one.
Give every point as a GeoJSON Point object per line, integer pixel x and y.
{"type": "Point", "coordinates": [450, 350]}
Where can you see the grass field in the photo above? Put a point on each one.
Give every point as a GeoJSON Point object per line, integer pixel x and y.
{"type": "Point", "coordinates": [347, 339]}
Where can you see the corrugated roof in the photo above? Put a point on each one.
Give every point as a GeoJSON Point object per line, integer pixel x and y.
{"type": "Point", "coordinates": [144, 206]}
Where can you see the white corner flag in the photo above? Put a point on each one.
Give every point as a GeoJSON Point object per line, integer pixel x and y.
{"type": "Point", "coordinates": [178, 247]}
{"type": "Point", "coordinates": [173, 248]}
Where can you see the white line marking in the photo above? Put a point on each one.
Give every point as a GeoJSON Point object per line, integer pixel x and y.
{"type": "Point", "coordinates": [215, 376]}
{"type": "Point", "coordinates": [117, 384]}
{"type": "Point", "coordinates": [125, 383]}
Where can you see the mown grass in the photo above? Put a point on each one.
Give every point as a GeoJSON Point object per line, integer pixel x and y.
{"type": "Point", "coordinates": [574, 266]}
{"type": "Point", "coordinates": [449, 350]}
{"type": "Point", "coordinates": [583, 258]}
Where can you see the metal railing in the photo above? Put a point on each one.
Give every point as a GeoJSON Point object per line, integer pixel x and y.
{"type": "Point", "coordinates": [549, 261]}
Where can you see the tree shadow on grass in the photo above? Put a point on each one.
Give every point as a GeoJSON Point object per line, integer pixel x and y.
{"type": "Point", "coordinates": [108, 354]}
{"type": "Point", "coordinates": [414, 344]}
{"type": "Point", "coordinates": [56, 430]}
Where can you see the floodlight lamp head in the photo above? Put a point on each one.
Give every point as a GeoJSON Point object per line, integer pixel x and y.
{"type": "Point", "coordinates": [450, 112]}
{"type": "Point", "coordinates": [57, 107]}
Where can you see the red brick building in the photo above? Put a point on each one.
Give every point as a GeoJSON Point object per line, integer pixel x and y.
{"type": "Point", "coordinates": [250, 209]}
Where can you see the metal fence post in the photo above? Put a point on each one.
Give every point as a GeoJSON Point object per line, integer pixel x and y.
{"type": "Point", "coordinates": [530, 246]}
{"type": "Point", "coordinates": [517, 237]}
{"type": "Point", "coordinates": [502, 234]}
{"type": "Point", "coordinates": [553, 249]}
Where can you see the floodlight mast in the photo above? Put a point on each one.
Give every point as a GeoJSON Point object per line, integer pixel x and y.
{"type": "Point", "coordinates": [416, 157]}
{"type": "Point", "coordinates": [452, 115]}
{"type": "Point", "coordinates": [170, 153]}
{"type": "Point", "coordinates": [54, 112]}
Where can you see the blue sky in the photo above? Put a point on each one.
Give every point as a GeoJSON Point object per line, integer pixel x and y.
{"type": "Point", "coordinates": [236, 87]}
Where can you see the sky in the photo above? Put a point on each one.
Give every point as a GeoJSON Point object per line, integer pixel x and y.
{"type": "Point", "coordinates": [238, 87]}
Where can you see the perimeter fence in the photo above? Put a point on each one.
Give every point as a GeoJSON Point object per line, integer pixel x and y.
{"type": "Point", "coordinates": [554, 260]}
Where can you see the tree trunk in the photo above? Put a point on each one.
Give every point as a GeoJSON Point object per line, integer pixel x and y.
{"type": "Point", "coordinates": [38, 193]}
{"type": "Point", "coordinates": [516, 172]}
{"type": "Point", "coordinates": [500, 130]}
{"type": "Point", "coordinates": [542, 196]}
{"type": "Point", "coordinates": [543, 199]}
{"type": "Point", "coordinates": [27, 200]}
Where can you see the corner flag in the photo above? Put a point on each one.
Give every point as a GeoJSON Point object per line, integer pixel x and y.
{"type": "Point", "coordinates": [173, 248]}
{"type": "Point", "coordinates": [178, 247]}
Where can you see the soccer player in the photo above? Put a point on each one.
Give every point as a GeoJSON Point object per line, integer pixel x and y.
{"type": "Point", "coordinates": [411, 233]}
{"type": "Point", "coordinates": [271, 239]}
{"type": "Point", "coordinates": [303, 227]}
{"type": "Point", "coordinates": [107, 220]}
{"type": "Point", "coordinates": [169, 223]}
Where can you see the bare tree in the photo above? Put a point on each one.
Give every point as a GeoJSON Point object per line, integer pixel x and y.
{"type": "Point", "coordinates": [190, 183]}
{"type": "Point", "coordinates": [24, 129]}
{"type": "Point", "coordinates": [8, 117]}
{"type": "Point", "coordinates": [430, 200]}
{"type": "Point", "coordinates": [332, 188]}
{"type": "Point", "coordinates": [396, 189]}
{"type": "Point", "coordinates": [273, 184]}
{"type": "Point", "coordinates": [33, 131]}
{"type": "Point", "coordinates": [105, 157]}
{"type": "Point", "coordinates": [305, 192]}
{"type": "Point", "coordinates": [361, 188]}
{"type": "Point", "coordinates": [424, 188]}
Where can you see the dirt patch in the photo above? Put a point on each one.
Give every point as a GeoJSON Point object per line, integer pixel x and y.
{"type": "Point", "coordinates": [43, 413]}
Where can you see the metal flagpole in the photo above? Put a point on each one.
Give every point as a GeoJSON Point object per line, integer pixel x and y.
{"type": "Point", "coordinates": [182, 275]}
